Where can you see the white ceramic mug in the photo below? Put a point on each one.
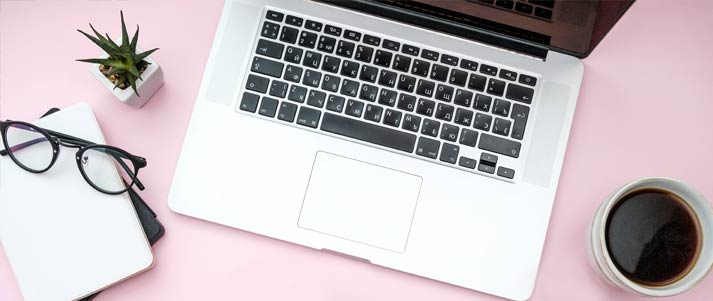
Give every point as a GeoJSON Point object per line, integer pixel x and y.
{"type": "Point", "coordinates": [602, 262]}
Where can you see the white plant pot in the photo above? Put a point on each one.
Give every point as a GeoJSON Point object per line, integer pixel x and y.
{"type": "Point", "coordinates": [152, 81]}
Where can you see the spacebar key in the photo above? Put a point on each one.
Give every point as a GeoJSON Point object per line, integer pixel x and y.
{"type": "Point", "coordinates": [360, 130]}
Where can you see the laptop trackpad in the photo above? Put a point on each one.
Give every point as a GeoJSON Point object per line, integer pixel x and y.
{"type": "Point", "coordinates": [360, 201]}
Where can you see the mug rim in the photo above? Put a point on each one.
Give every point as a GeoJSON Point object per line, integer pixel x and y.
{"type": "Point", "coordinates": [682, 284]}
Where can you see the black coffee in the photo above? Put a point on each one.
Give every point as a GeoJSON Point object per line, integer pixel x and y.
{"type": "Point", "coordinates": [653, 237]}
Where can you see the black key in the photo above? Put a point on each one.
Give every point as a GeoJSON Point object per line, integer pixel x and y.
{"type": "Point", "coordinates": [523, 8]}
{"type": "Point", "coordinates": [463, 98]}
{"type": "Point", "coordinates": [482, 122]}
{"type": "Point", "coordinates": [373, 112]}
{"type": "Point", "coordinates": [326, 44]}
{"type": "Point", "coordinates": [354, 108]}
{"type": "Point", "coordinates": [387, 78]}
{"type": "Point", "coordinates": [411, 123]}
{"type": "Point", "coordinates": [406, 102]}
{"type": "Point", "coordinates": [349, 88]}
{"type": "Point", "coordinates": [335, 103]}
{"type": "Point", "coordinates": [505, 3]}
{"type": "Point", "coordinates": [489, 70]}
{"type": "Point", "coordinates": [502, 127]}
{"type": "Point", "coordinates": [507, 74]}
{"type": "Point", "coordinates": [352, 35]}
{"type": "Point", "coordinates": [408, 49]}
{"type": "Point", "coordinates": [297, 94]}
{"type": "Point", "coordinates": [307, 39]}
{"type": "Point", "coordinates": [289, 34]}
{"type": "Point", "coordinates": [506, 172]}
{"type": "Point", "coordinates": [406, 83]}
{"type": "Point", "coordinates": [519, 93]}
{"type": "Point", "coordinates": [449, 60]}
{"type": "Point", "coordinates": [332, 30]}
{"type": "Point", "coordinates": [249, 102]}
{"type": "Point", "coordinates": [292, 20]}
{"type": "Point", "coordinates": [449, 132]}
{"type": "Point", "coordinates": [392, 118]}
{"type": "Point", "coordinates": [368, 132]}
{"type": "Point", "coordinates": [420, 68]}
{"type": "Point", "coordinates": [312, 78]}
{"type": "Point", "coordinates": [458, 77]}
{"type": "Point", "coordinates": [488, 159]}
{"type": "Point", "coordinates": [316, 98]}
{"type": "Point", "coordinates": [387, 97]}
{"type": "Point", "coordinates": [425, 88]}
{"type": "Point", "coordinates": [429, 55]}
{"type": "Point", "coordinates": [486, 168]}
{"type": "Point", "coordinates": [287, 111]}
{"type": "Point", "coordinates": [425, 107]}
{"type": "Point", "coordinates": [268, 106]}
{"type": "Point", "coordinates": [546, 3]}
{"type": "Point", "coordinates": [274, 16]}
{"type": "Point", "coordinates": [270, 30]}
{"type": "Point", "coordinates": [467, 162]}
{"type": "Point", "coordinates": [501, 107]}
{"type": "Point", "coordinates": [482, 102]}
{"type": "Point", "coordinates": [278, 89]}
{"type": "Point", "coordinates": [364, 53]}
{"type": "Point", "coordinates": [331, 64]}
{"type": "Point", "coordinates": [476, 82]}
{"type": "Point", "coordinates": [312, 59]}
{"type": "Point", "coordinates": [350, 69]}
{"type": "Point", "coordinates": [543, 13]}
{"type": "Point", "coordinates": [313, 25]}
{"type": "Point", "coordinates": [470, 65]}
{"type": "Point", "coordinates": [402, 63]}
{"type": "Point", "coordinates": [463, 117]}
{"type": "Point", "coordinates": [427, 147]}
{"type": "Point", "coordinates": [520, 114]}
{"type": "Point", "coordinates": [430, 127]}
{"type": "Point", "coordinates": [368, 92]}
{"type": "Point", "coordinates": [345, 49]}
{"type": "Point", "coordinates": [372, 40]}
{"type": "Point", "coordinates": [468, 137]}
{"type": "Point", "coordinates": [444, 93]}
{"type": "Point", "coordinates": [439, 72]}
{"type": "Point", "coordinates": [293, 73]}
{"type": "Point", "coordinates": [382, 58]}
{"type": "Point", "coordinates": [293, 55]}
{"type": "Point", "coordinates": [257, 83]}
{"type": "Point", "coordinates": [528, 80]}
{"type": "Point", "coordinates": [449, 153]}
{"type": "Point", "coordinates": [267, 67]}
{"type": "Point", "coordinates": [369, 73]}
{"type": "Point", "coordinates": [269, 48]}
{"type": "Point", "coordinates": [308, 117]}
{"type": "Point", "coordinates": [499, 145]}
{"type": "Point", "coordinates": [391, 45]}
{"type": "Point", "coordinates": [330, 83]}
{"type": "Point", "coordinates": [444, 112]}
{"type": "Point", "coordinates": [496, 87]}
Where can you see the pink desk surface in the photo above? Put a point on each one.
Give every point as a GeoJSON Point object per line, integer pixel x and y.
{"type": "Point", "coordinates": [645, 110]}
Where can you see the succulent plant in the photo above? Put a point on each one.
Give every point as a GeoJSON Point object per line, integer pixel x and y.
{"type": "Point", "coordinates": [123, 63]}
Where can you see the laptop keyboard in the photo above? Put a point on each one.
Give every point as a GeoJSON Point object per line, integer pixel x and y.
{"type": "Point", "coordinates": [541, 9]}
{"type": "Point", "coordinates": [383, 91]}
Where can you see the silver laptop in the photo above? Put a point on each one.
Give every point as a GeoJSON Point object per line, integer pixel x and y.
{"type": "Point", "coordinates": [422, 136]}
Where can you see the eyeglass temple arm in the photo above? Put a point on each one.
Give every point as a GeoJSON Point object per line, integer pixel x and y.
{"type": "Point", "coordinates": [23, 145]}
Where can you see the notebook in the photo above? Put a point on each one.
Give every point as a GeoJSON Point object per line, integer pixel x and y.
{"type": "Point", "coordinates": [63, 239]}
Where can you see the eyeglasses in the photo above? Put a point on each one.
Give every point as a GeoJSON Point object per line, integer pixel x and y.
{"type": "Point", "coordinates": [35, 149]}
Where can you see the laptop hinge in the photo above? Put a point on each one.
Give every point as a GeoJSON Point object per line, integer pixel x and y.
{"type": "Point", "coordinates": [415, 18]}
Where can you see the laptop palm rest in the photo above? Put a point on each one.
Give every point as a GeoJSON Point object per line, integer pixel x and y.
{"type": "Point", "coordinates": [360, 202]}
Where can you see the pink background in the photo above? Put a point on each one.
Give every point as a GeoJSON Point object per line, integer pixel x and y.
{"type": "Point", "coordinates": [644, 110]}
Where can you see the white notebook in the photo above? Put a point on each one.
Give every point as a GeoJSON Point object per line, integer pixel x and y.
{"type": "Point", "coordinates": [64, 239]}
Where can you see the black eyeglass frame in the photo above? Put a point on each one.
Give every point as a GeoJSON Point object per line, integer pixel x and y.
{"type": "Point", "coordinates": [56, 139]}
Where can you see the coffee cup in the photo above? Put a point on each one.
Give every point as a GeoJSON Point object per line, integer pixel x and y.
{"type": "Point", "coordinates": [652, 237]}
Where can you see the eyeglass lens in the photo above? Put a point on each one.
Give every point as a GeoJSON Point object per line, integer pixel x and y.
{"type": "Point", "coordinates": [29, 147]}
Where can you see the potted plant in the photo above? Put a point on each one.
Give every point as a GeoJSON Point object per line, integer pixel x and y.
{"type": "Point", "coordinates": [124, 66]}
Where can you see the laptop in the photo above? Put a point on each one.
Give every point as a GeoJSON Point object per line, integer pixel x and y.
{"type": "Point", "coordinates": [421, 136]}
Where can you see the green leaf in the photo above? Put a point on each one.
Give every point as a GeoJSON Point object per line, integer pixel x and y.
{"type": "Point", "coordinates": [105, 62]}
{"type": "Point", "coordinates": [99, 43]}
{"type": "Point", "coordinates": [122, 79]}
{"type": "Point", "coordinates": [143, 55]}
{"type": "Point", "coordinates": [132, 69]}
{"type": "Point", "coordinates": [124, 34]}
{"type": "Point", "coordinates": [135, 40]}
{"type": "Point", "coordinates": [132, 82]}
{"type": "Point", "coordinates": [106, 41]}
